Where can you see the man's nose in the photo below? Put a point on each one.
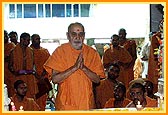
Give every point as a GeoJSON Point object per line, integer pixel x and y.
{"type": "Point", "coordinates": [135, 96]}
{"type": "Point", "coordinates": [78, 37]}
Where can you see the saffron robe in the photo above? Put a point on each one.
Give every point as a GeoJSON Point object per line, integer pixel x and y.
{"type": "Point", "coordinates": [8, 77]}
{"type": "Point", "coordinates": [28, 104]}
{"type": "Point", "coordinates": [130, 46]}
{"type": "Point", "coordinates": [17, 59]}
{"type": "Point", "coordinates": [104, 92]}
{"type": "Point", "coordinates": [110, 103]}
{"type": "Point", "coordinates": [122, 55]}
{"type": "Point", "coordinates": [40, 57]}
{"type": "Point", "coordinates": [76, 91]}
{"type": "Point", "coordinates": [150, 102]}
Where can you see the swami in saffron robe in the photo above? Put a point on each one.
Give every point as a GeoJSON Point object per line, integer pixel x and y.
{"type": "Point", "coordinates": [17, 59]}
{"type": "Point", "coordinates": [40, 57]}
{"type": "Point", "coordinates": [76, 91]}
{"type": "Point", "coordinates": [8, 77]}
{"type": "Point", "coordinates": [110, 103]}
{"type": "Point", "coordinates": [28, 104]}
{"type": "Point", "coordinates": [130, 46]}
{"type": "Point", "coordinates": [122, 56]}
{"type": "Point", "coordinates": [104, 92]}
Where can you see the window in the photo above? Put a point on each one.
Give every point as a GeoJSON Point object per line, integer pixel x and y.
{"type": "Point", "coordinates": [85, 10]}
{"type": "Point", "coordinates": [48, 10]}
{"type": "Point", "coordinates": [58, 10]}
{"type": "Point", "coordinates": [76, 10]}
{"type": "Point", "coordinates": [11, 11]}
{"type": "Point", "coordinates": [19, 10]}
{"type": "Point", "coordinates": [68, 10]}
{"type": "Point", "coordinates": [40, 10]}
{"type": "Point", "coordinates": [29, 10]}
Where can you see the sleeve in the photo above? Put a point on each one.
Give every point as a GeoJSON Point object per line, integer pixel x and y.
{"type": "Point", "coordinates": [105, 58]}
{"type": "Point", "coordinates": [97, 66]}
{"type": "Point", "coordinates": [125, 56]}
{"type": "Point", "coordinates": [109, 103]}
{"type": "Point", "coordinates": [53, 62]}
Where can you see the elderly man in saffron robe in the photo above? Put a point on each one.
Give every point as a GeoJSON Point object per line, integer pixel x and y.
{"type": "Point", "coordinates": [74, 66]}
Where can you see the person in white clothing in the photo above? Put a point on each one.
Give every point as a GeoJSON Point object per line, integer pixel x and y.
{"type": "Point", "coordinates": [145, 56]}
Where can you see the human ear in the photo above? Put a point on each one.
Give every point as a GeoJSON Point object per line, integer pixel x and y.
{"type": "Point", "coordinates": [67, 34]}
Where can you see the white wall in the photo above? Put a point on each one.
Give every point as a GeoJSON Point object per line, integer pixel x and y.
{"type": "Point", "coordinates": [107, 20]}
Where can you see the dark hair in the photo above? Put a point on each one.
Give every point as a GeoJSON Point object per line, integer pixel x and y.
{"type": "Point", "coordinates": [17, 83]}
{"type": "Point", "coordinates": [122, 29]}
{"type": "Point", "coordinates": [5, 32]}
{"type": "Point", "coordinates": [138, 85]}
{"type": "Point", "coordinates": [122, 87]}
{"type": "Point", "coordinates": [76, 23]}
{"type": "Point", "coordinates": [151, 84]}
{"type": "Point", "coordinates": [12, 32]}
{"type": "Point", "coordinates": [33, 36]}
{"type": "Point", "coordinates": [113, 64]}
{"type": "Point", "coordinates": [114, 35]}
{"type": "Point", "coordinates": [24, 35]}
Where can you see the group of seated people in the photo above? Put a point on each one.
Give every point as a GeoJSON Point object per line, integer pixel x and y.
{"type": "Point", "coordinates": [140, 91]}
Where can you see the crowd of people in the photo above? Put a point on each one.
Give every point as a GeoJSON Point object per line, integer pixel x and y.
{"type": "Point", "coordinates": [85, 80]}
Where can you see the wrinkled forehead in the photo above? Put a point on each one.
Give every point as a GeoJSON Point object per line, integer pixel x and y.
{"type": "Point", "coordinates": [76, 28]}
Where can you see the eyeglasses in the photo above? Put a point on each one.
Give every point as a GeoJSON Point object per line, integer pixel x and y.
{"type": "Point", "coordinates": [148, 87]}
{"type": "Point", "coordinates": [80, 34]}
{"type": "Point", "coordinates": [135, 93]}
